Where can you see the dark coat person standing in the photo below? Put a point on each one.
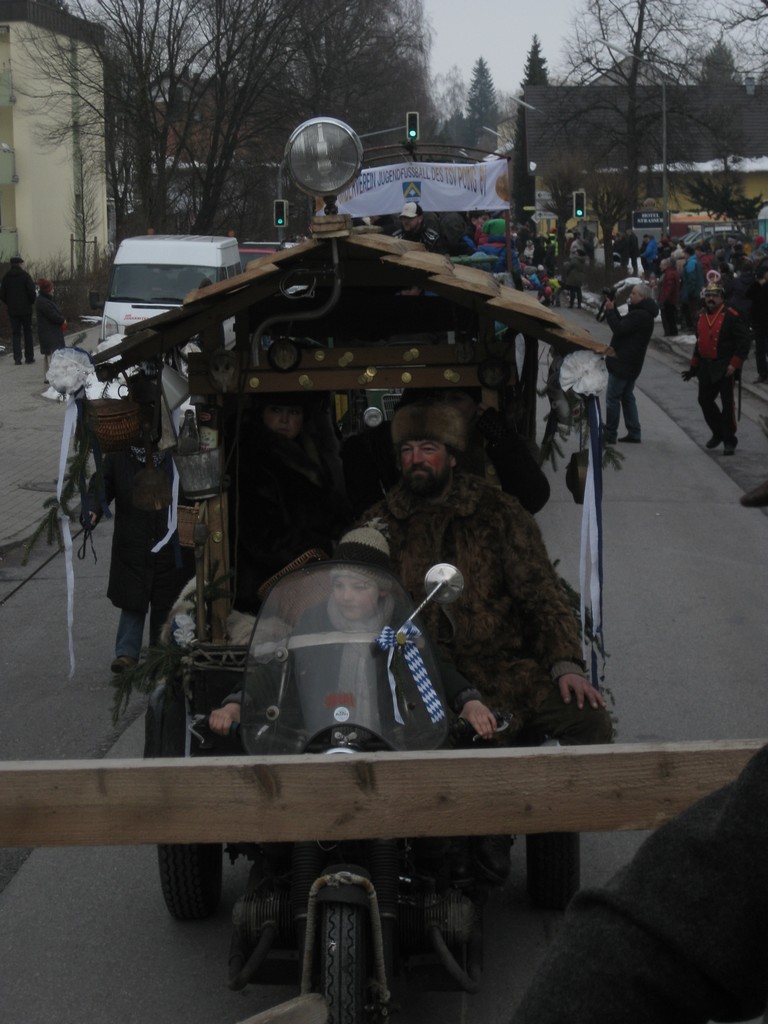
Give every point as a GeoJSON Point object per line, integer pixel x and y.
{"type": "Point", "coordinates": [628, 248]}
{"type": "Point", "coordinates": [139, 581]}
{"type": "Point", "coordinates": [574, 272]}
{"type": "Point", "coordinates": [757, 293]}
{"type": "Point", "coordinates": [18, 292]}
{"type": "Point", "coordinates": [285, 498]}
{"type": "Point", "coordinates": [50, 320]}
{"type": "Point", "coordinates": [722, 346]}
{"type": "Point", "coordinates": [692, 281]}
{"type": "Point", "coordinates": [631, 334]}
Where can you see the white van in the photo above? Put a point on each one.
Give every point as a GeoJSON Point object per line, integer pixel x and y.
{"type": "Point", "coordinates": [152, 274]}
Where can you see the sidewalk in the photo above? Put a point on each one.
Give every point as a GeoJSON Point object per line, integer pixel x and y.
{"type": "Point", "coordinates": [30, 432]}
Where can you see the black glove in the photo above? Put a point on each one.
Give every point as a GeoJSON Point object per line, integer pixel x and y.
{"type": "Point", "coordinates": [688, 374]}
{"type": "Point", "coordinates": [493, 426]}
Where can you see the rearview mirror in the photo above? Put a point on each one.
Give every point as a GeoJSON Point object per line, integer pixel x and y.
{"type": "Point", "coordinates": [444, 583]}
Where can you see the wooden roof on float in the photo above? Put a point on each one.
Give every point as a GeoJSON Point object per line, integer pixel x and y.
{"type": "Point", "coordinates": [289, 287]}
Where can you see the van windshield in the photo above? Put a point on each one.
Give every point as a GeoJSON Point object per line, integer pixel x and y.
{"type": "Point", "coordinates": [161, 283]}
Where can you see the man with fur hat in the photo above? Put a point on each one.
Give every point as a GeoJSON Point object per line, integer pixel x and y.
{"type": "Point", "coordinates": [722, 346]}
{"type": "Point", "coordinates": [513, 634]}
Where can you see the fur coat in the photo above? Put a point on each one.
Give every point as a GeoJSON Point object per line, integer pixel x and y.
{"type": "Point", "coordinates": [513, 632]}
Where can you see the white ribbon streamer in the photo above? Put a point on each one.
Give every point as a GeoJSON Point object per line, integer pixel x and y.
{"type": "Point", "coordinates": [591, 546]}
{"type": "Point", "coordinates": [589, 553]}
{"type": "Point", "coordinates": [172, 511]}
{"type": "Point", "coordinates": [70, 425]}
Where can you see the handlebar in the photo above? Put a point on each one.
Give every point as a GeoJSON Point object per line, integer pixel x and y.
{"type": "Point", "coordinates": [200, 728]}
{"type": "Point", "coordinates": [462, 730]}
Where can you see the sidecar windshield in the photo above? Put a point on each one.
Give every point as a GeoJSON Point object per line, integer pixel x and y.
{"type": "Point", "coordinates": [326, 670]}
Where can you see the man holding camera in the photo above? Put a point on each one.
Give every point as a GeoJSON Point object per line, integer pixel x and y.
{"type": "Point", "coordinates": [722, 346]}
{"type": "Point", "coordinates": [631, 335]}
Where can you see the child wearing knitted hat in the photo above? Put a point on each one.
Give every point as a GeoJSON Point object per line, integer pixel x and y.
{"type": "Point", "coordinates": [361, 601]}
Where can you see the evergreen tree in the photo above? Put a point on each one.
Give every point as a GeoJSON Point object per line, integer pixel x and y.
{"type": "Point", "coordinates": [482, 109]}
{"type": "Point", "coordinates": [721, 194]}
{"type": "Point", "coordinates": [718, 67]}
{"type": "Point", "coordinates": [523, 182]}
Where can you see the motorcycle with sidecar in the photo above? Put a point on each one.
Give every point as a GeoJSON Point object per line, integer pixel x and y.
{"type": "Point", "coordinates": [348, 920]}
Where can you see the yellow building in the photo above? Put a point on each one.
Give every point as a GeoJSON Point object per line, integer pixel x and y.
{"type": "Point", "coordinates": [53, 201]}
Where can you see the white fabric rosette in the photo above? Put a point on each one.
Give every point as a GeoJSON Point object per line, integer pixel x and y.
{"type": "Point", "coordinates": [69, 370]}
{"type": "Point", "coordinates": [584, 372]}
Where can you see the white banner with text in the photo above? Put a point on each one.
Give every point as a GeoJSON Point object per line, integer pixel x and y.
{"type": "Point", "coordinates": [435, 187]}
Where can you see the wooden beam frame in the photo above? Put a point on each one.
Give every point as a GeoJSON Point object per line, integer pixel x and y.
{"type": "Point", "coordinates": [552, 789]}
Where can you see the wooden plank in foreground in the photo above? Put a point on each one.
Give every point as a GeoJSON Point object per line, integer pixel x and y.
{"type": "Point", "coordinates": [583, 789]}
{"type": "Point", "coordinates": [308, 1009]}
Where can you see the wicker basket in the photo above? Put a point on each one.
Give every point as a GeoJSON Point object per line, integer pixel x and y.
{"type": "Point", "coordinates": [186, 517]}
{"type": "Point", "coordinates": [115, 422]}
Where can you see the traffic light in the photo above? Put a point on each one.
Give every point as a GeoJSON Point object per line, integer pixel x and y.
{"type": "Point", "coordinates": [579, 204]}
{"type": "Point", "coordinates": [412, 125]}
{"type": "Point", "coordinates": [280, 213]}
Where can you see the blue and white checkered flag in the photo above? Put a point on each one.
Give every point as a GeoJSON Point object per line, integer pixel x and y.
{"type": "Point", "coordinates": [389, 640]}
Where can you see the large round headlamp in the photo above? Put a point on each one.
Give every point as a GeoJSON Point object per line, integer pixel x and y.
{"type": "Point", "coordinates": [324, 156]}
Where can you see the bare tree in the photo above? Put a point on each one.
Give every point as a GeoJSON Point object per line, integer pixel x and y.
{"type": "Point", "coordinates": [746, 24]}
{"type": "Point", "coordinates": [630, 47]}
{"type": "Point", "coordinates": [365, 61]}
{"type": "Point", "coordinates": [609, 197]}
{"type": "Point", "coordinates": [563, 176]}
{"type": "Point", "coordinates": [86, 207]}
{"type": "Point", "coordinates": [194, 98]}
{"type": "Point", "coordinates": [450, 91]}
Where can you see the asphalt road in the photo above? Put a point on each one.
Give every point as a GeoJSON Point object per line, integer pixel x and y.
{"type": "Point", "coordinates": [86, 937]}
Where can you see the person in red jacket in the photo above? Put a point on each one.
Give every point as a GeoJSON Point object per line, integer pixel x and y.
{"type": "Point", "coordinates": [669, 296]}
{"type": "Point", "coordinates": [722, 346]}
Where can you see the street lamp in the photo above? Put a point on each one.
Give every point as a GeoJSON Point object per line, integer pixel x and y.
{"type": "Point", "coordinates": [520, 103]}
{"type": "Point", "coordinates": [664, 168]}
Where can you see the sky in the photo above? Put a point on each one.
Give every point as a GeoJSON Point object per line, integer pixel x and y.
{"type": "Point", "coordinates": [499, 31]}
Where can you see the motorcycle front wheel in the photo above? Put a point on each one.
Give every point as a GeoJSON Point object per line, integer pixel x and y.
{"type": "Point", "coordinates": [190, 878]}
{"type": "Point", "coordinates": [553, 862]}
{"type": "Point", "coordinates": [343, 962]}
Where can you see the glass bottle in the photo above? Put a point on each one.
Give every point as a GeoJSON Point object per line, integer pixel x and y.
{"type": "Point", "coordinates": [189, 437]}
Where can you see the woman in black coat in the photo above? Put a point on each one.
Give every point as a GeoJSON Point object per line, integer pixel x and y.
{"type": "Point", "coordinates": [50, 320]}
{"type": "Point", "coordinates": [139, 581]}
{"type": "Point", "coordinates": [283, 500]}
